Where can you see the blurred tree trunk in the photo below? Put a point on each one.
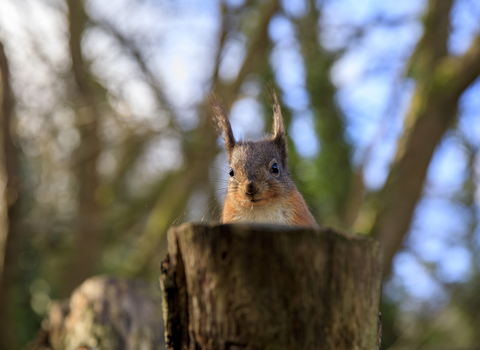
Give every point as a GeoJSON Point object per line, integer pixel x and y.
{"type": "Point", "coordinates": [88, 238]}
{"type": "Point", "coordinates": [440, 79]}
{"type": "Point", "coordinates": [334, 173]}
{"type": "Point", "coordinates": [10, 235]}
{"type": "Point", "coordinates": [311, 290]}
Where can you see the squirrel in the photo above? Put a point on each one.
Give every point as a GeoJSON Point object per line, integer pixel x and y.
{"type": "Point", "coordinates": [260, 189]}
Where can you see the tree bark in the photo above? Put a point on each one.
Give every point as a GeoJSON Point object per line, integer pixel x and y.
{"type": "Point", "coordinates": [269, 287]}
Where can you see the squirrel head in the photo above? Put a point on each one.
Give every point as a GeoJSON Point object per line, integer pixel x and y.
{"type": "Point", "coordinates": [258, 170]}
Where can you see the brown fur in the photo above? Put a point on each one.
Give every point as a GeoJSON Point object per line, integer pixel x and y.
{"type": "Point", "coordinates": [255, 193]}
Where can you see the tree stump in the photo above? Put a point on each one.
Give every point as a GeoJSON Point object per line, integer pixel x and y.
{"type": "Point", "coordinates": [270, 287]}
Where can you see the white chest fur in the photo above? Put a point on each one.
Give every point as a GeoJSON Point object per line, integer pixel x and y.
{"type": "Point", "coordinates": [266, 215]}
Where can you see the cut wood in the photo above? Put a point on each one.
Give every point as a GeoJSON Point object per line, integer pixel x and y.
{"type": "Point", "coordinates": [270, 287]}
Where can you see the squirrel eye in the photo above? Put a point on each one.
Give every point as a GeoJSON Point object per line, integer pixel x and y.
{"type": "Point", "coordinates": [275, 169]}
{"type": "Point", "coordinates": [231, 173]}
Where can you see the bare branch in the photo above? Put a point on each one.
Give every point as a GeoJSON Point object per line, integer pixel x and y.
{"type": "Point", "coordinates": [465, 70]}
{"type": "Point", "coordinates": [221, 43]}
{"type": "Point", "coordinates": [433, 45]}
{"type": "Point", "coordinates": [131, 47]}
{"type": "Point", "coordinates": [254, 57]}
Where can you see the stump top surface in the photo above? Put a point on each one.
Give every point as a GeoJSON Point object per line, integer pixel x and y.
{"type": "Point", "coordinates": [271, 228]}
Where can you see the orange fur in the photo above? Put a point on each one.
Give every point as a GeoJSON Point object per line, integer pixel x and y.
{"type": "Point", "coordinates": [301, 215]}
{"type": "Point", "coordinates": [228, 214]}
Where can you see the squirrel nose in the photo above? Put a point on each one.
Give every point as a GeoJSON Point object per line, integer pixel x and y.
{"type": "Point", "coordinates": [250, 188]}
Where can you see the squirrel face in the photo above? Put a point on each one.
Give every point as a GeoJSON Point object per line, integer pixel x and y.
{"type": "Point", "coordinates": [259, 188]}
{"type": "Point", "coordinates": [258, 176]}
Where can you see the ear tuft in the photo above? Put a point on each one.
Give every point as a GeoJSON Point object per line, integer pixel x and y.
{"type": "Point", "coordinates": [222, 124]}
{"type": "Point", "coordinates": [279, 137]}
{"type": "Point", "coordinates": [278, 128]}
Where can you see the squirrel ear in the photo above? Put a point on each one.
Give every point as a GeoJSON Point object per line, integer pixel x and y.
{"type": "Point", "coordinates": [222, 123]}
{"type": "Point", "coordinates": [279, 130]}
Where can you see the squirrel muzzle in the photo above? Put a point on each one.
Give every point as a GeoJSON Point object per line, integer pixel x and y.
{"type": "Point", "coordinates": [250, 189]}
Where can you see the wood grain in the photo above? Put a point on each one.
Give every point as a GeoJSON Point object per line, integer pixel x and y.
{"type": "Point", "coordinates": [270, 287]}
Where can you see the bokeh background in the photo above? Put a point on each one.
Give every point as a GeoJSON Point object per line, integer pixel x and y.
{"type": "Point", "coordinates": [107, 140]}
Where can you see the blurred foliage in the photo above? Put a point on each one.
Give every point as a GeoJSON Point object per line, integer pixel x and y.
{"type": "Point", "coordinates": [111, 141]}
